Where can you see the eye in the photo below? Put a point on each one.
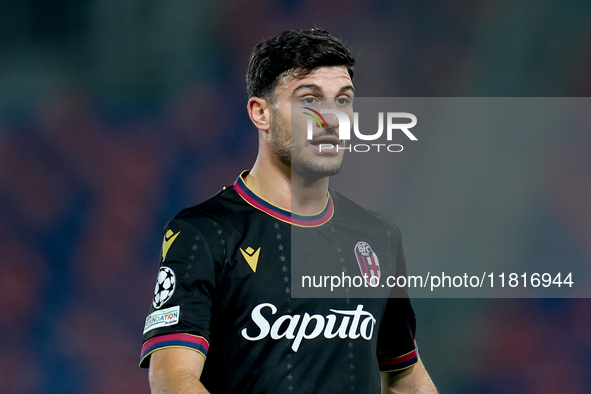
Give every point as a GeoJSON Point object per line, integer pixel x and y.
{"type": "Point", "coordinates": [342, 100]}
{"type": "Point", "coordinates": [309, 100]}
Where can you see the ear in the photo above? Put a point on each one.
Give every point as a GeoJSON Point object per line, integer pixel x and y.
{"type": "Point", "coordinates": [260, 113]}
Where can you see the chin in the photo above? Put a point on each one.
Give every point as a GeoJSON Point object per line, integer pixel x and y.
{"type": "Point", "coordinates": [315, 172]}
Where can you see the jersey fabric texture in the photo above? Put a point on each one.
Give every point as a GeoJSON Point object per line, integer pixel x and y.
{"type": "Point", "coordinates": [223, 290]}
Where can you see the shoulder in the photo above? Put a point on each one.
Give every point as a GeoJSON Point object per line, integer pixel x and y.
{"type": "Point", "coordinates": [220, 210]}
{"type": "Point", "coordinates": [202, 231]}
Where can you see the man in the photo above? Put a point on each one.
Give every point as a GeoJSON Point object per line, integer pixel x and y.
{"type": "Point", "coordinates": [223, 290]}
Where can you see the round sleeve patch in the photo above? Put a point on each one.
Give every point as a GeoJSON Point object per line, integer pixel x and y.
{"type": "Point", "coordinates": [165, 284]}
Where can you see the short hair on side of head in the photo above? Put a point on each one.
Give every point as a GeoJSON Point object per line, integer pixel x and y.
{"type": "Point", "coordinates": [301, 50]}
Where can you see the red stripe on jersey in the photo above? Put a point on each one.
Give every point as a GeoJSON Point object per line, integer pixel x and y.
{"type": "Point", "coordinates": [188, 341]}
{"type": "Point", "coordinates": [410, 357]}
{"type": "Point", "coordinates": [282, 214]}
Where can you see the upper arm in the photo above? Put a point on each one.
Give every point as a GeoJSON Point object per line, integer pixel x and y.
{"type": "Point", "coordinates": [175, 370]}
{"type": "Point", "coordinates": [388, 379]}
{"type": "Point", "coordinates": [166, 362]}
{"type": "Point", "coordinates": [414, 379]}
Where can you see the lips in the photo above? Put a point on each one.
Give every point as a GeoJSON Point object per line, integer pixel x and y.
{"type": "Point", "coordinates": [326, 139]}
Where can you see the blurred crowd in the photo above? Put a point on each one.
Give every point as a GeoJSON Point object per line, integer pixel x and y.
{"type": "Point", "coordinates": [113, 117]}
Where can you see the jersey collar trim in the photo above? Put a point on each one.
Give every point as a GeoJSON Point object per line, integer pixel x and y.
{"type": "Point", "coordinates": [282, 214]}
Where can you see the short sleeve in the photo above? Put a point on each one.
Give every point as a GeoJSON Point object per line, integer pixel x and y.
{"type": "Point", "coordinates": [180, 312]}
{"type": "Point", "coordinates": [396, 349]}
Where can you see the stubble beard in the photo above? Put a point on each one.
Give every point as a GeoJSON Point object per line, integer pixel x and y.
{"type": "Point", "coordinates": [291, 154]}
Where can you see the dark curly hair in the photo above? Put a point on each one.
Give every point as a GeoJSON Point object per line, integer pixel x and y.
{"type": "Point", "coordinates": [293, 51]}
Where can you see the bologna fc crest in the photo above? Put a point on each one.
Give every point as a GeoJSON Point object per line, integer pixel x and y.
{"type": "Point", "coordinates": [368, 262]}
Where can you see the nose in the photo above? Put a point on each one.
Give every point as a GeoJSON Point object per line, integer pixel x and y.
{"type": "Point", "coordinates": [337, 121]}
{"type": "Point", "coordinates": [332, 121]}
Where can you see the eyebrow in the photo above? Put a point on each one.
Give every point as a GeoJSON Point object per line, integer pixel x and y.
{"type": "Point", "coordinates": [318, 90]}
{"type": "Point", "coordinates": [346, 88]}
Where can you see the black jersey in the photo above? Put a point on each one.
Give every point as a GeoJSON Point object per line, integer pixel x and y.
{"type": "Point", "coordinates": [223, 289]}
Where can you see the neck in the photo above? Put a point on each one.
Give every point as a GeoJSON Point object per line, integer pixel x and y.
{"type": "Point", "coordinates": [276, 183]}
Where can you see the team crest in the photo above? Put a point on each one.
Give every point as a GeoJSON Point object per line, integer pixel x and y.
{"type": "Point", "coordinates": [368, 262]}
{"type": "Point", "coordinates": [164, 287]}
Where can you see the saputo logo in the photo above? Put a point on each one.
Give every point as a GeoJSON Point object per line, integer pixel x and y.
{"type": "Point", "coordinates": [345, 130]}
{"type": "Point", "coordinates": [352, 325]}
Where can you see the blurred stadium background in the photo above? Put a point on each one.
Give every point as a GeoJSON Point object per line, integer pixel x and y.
{"type": "Point", "coordinates": [114, 115]}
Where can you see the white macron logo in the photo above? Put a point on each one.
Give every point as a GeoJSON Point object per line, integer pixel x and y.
{"type": "Point", "coordinates": [361, 324]}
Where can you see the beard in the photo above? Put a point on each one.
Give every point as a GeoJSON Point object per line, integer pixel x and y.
{"type": "Point", "coordinates": [290, 152]}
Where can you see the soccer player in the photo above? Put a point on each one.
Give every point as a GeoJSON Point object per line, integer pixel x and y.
{"type": "Point", "coordinates": [222, 319]}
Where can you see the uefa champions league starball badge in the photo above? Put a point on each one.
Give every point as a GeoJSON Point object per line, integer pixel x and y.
{"type": "Point", "coordinates": [164, 287]}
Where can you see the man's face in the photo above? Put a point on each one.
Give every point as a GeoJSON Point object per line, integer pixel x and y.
{"type": "Point", "coordinates": [323, 88]}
